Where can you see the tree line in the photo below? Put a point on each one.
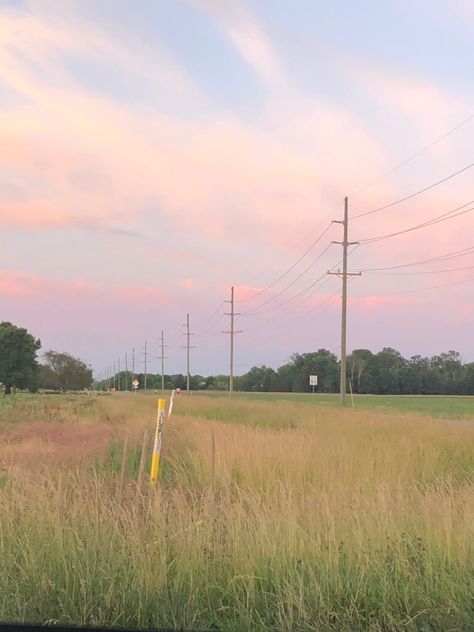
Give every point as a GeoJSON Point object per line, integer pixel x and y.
{"type": "Point", "coordinates": [385, 372]}
{"type": "Point", "coordinates": [20, 369]}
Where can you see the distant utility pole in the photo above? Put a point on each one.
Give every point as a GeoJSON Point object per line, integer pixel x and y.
{"type": "Point", "coordinates": [118, 375]}
{"type": "Point", "coordinates": [188, 335]}
{"type": "Point", "coordinates": [162, 357]}
{"type": "Point", "coordinates": [232, 333]}
{"type": "Point", "coordinates": [345, 243]}
{"type": "Point", "coordinates": [133, 368]}
{"type": "Point", "coordinates": [126, 371]}
{"type": "Point", "coordinates": [145, 356]}
{"type": "Point", "coordinates": [114, 377]}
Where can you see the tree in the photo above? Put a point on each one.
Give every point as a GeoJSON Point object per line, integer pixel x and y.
{"type": "Point", "coordinates": [359, 365]}
{"type": "Point", "coordinates": [18, 364]}
{"type": "Point", "coordinates": [322, 363]}
{"type": "Point", "coordinates": [64, 372]}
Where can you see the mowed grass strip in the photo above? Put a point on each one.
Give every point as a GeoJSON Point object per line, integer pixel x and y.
{"type": "Point", "coordinates": [316, 519]}
{"type": "Point", "coordinates": [444, 406]}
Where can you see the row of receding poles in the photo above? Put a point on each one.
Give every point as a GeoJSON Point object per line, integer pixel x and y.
{"type": "Point", "coordinates": [113, 379]}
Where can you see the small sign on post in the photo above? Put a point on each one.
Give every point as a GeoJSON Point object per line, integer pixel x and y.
{"type": "Point", "coordinates": [313, 381]}
{"type": "Point", "coordinates": [135, 384]}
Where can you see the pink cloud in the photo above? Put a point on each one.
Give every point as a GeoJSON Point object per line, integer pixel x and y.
{"type": "Point", "coordinates": [187, 283]}
{"type": "Point", "coordinates": [19, 284]}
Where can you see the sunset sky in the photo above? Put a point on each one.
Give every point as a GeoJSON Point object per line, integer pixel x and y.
{"type": "Point", "coordinates": [154, 153]}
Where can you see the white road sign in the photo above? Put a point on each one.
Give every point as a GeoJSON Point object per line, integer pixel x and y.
{"type": "Point", "coordinates": [136, 383]}
{"type": "Point", "coordinates": [313, 380]}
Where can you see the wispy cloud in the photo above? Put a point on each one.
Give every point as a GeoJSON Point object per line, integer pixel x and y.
{"type": "Point", "coordinates": [249, 37]}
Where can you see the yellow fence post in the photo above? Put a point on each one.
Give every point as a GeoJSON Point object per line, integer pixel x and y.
{"type": "Point", "coordinates": [155, 459]}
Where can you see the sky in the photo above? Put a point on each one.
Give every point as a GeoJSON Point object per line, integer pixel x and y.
{"type": "Point", "coordinates": [156, 153]}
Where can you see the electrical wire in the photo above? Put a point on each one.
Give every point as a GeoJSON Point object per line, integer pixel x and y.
{"type": "Point", "coordinates": [214, 313]}
{"type": "Point", "coordinates": [412, 195]}
{"type": "Point", "coordinates": [422, 289]}
{"type": "Point", "coordinates": [272, 298]}
{"type": "Point", "coordinates": [446, 270]}
{"type": "Point", "coordinates": [450, 255]}
{"type": "Point", "coordinates": [316, 241]}
{"type": "Point", "coordinates": [418, 153]}
{"type": "Point", "coordinates": [435, 220]}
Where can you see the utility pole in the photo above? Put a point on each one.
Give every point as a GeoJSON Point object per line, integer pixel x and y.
{"type": "Point", "coordinates": [188, 335]}
{"type": "Point", "coordinates": [126, 371]}
{"type": "Point", "coordinates": [345, 243]}
{"type": "Point", "coordinates": [118, 375]}
{"type": "Point", "coordinates": [133, 368]}
{"type": "Point", "coordinates": [232, 332]}
{"type": "Point", "coordinates": [114, 377]}
{"type": "Point", "coordinates": [145, 355]}
{"type": "Point", "coordinates": [162, 357]}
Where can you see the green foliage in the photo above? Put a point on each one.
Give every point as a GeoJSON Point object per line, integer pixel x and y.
{"type": "Point", "coordinates": [18, 364]}
{"type": "Point", "coordinates": [382, 373]}
{"type": "Point", "coordinates": [63, 372]}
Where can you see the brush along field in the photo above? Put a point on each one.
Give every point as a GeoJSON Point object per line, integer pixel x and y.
{"type": "Point", "coordinates": [268, 516]}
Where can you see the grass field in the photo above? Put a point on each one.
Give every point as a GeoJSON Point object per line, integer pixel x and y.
{"type": "Point", "coordinates": [449, 407]}
{"type": "Point", "coordinates": [269, 515]}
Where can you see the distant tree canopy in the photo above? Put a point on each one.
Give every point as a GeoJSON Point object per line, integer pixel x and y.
{"type": "Point", "coordinates": [385, 372]}
{"type": "Point", "coordinates": [61, 371]}
{"type": "Point", "coordinates": [18, 364]}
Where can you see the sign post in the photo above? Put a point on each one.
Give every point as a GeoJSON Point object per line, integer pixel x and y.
{"type": "Point", "coordinates": [313, 381]}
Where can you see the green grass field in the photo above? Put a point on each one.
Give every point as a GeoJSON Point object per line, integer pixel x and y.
{"type": "Point", "coordinates": [270, 514]}
{"type": "Point", "coordinates": [449, 407]}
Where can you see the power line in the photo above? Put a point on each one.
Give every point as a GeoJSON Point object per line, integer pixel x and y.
{"type": "Point", "coordinates": [295, 300]}
{"type": "Point", "coordinates": [446, 270]}
{"type": "Point", "coordinates": [450, 255]}
{"type": "Point", "coordinates": [316, 241]}
{"type": "Point", "coordinates": [292, 283]}
{"type": "Point", "coordinates": [289, 300]}
{"type": "Point", "coordinates": [214, 313]}
{"type": "Point", "coordinates": [422, 289]}
{"type": "Point", "coordinates": [435, 220]}
{"type": "Point", "coordinates": [418, 153]}
{"type": "Point", "coordinates": [412, 195]}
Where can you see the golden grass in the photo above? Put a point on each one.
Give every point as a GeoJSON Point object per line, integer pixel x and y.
{"type": "Point", "coordinates": [317, 519]}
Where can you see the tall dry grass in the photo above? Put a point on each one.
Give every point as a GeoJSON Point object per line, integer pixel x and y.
{"type": "Point", "coordinates": [315, 519]}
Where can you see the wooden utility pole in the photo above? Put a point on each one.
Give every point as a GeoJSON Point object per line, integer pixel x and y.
{"type": "Point", "coordinates": [126, 371]}
{"type": "Point", "coordinates": [133, 368]}
{"type": "Point", "coordinates": [145, 354]}
{"type": "Point", "coordinates": [231, 332]}
{"type": "Point", "coordinates": [188, 335]}
{"type": "Point", "coordinates": [114, 376]}
{"type": "Point", "coordinates": [345, 243]}
{"type": "Point", "coordinates": [162, 357]}
{"type": "Point", "coordinates": [118, 375]}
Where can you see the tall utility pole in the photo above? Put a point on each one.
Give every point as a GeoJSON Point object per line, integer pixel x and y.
{"type": "Point", "coordinates": [126, 371]}
{"type": "Point", "coordinates": [133, 368]}
{"type": "Point", "coordinates": [118, 375]}
{"type": "Point", "coordinates": [345, 243]}
{"type": "Point", "coordinates": [145, 355]}
{"type": "Point", "coordinates": [162, 357]}
{"type": "Point", "coordinates": [114, 377]}
{"type": "Point", "coordinates": [232, 333]}
{"type": "Point", "coordinates": [188, 335]}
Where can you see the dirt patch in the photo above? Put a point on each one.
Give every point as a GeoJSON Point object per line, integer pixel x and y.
{"type": "Point", "coordinates": [39, 442]}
